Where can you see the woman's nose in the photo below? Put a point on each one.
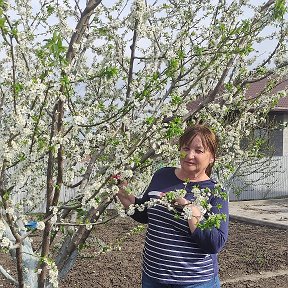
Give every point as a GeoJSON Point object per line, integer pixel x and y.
{"type": "Point", "coordinates": [190, 154]}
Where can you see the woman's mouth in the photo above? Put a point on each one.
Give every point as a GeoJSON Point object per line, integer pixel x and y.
{"type": "Point", "coordinates": [190, 163]}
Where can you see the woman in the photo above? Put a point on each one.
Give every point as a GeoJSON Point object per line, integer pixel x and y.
{"type": "Point", "coordinates": [177, 253]}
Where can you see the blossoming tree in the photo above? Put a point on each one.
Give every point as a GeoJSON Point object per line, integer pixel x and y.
{"type": "Point", "coordinates": [90, 90]}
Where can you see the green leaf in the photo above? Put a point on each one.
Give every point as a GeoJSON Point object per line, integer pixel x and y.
{"type": "Point", "coordinates": [172, 67]}
{"type": "Point", "coordinates": [103, 31]}
{"type": "Point", "coordinates": [155, 76]}
{"type": "Point", "coordinates": [245, 25]}
{"type": "Point", "coordinates": [181, 54]}
{"type": "Point", "coordinates": [2, 22]}
{"type": "Point", "coordinates": [64, 80]}
{"type": "Point", "coordinates": [6, 194]}
{"type": "Point", "coordinates": [150, 120]}
{"type": "Point", "coordinates": [212, 221]}
{"type": "Point", "coordinates": [55, 46]}
{"type": "Point", "coordinates": [14, 32]}
{"type": "Point", "coordinates": [138, 229]}
{"type": "Point", "coordinates": [229, 87]}
{"type": "Point", "coordinates": [280, 9]}
{"type": "Point", "coordinates": [198, 50]}
{"type": "Point", "coordinates": [109, 72]}
{"type": "Point", "coordinates": [176, 99]}
{"type": "Point", "coordinates": [22, 157]}
{"type": "Point", "coordinates": [50, 10]}
{"type": "Point", "coordinates": [222, 27]}
{"type": "Point", "coordinates": [175, 128]}
{"type": "Point", "coordinates": [18, 87]}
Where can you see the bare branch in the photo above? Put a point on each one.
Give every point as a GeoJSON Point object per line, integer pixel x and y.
{"type": "Point", "coordinates": [81, 27]}
{"type": "Point", "coordinates": [132, 55]}
{"type": "Point", "coordinates": [8, 276]}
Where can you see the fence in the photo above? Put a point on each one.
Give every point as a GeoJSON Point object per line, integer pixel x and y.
{"type": "Point", "coordinates": [272, 184]}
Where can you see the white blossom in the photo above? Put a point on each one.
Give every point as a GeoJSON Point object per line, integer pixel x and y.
{"type": "Point", "coordinates": [40, 225]}
{"type": "Point", "coordinates": [2, 226]}
{"type": "Point", "coordinates": [10, 211]}
{"type": "Point", "coordinates": [53, 219]}
{"type": "Point", "coordinates": [127, 174]}
{"type": "Point", "coordinates": [89, 226]}
{"type": "Point", "coordinates": [5, 242]}
{"type": "Point", "coordinates": [115, 189]}
{"type": "Point", "coordinates": [131, 210]}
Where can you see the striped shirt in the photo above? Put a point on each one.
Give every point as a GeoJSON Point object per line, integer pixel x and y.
{"type": "Point", "coordinates": [172, 253]}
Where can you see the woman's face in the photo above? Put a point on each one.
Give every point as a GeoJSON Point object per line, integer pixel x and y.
{"type": "Point", "coordinates": [194, 159]}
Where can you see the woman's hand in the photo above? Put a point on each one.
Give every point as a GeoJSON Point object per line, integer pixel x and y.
{"type": "Point", "coordinates": [196, 217]}
{"type": "Point", "coordinates": [195, 211]}
{"type": "Point", "coordinates": [125, 198]}
{"type": "Point", "coordinates": [181, 202]}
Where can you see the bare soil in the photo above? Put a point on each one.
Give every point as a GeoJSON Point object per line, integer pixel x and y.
{"type": "Point", "coordinates": [254, 256]}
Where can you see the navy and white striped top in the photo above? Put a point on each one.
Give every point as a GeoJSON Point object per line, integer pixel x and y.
{"type": "Point", "coordinates": [172, 253]}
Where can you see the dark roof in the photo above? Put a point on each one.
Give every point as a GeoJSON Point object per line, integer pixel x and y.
{"type": "Point", "coordinates": [255, 89]}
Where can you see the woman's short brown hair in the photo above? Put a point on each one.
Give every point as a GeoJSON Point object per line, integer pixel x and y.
{"type": "Point", "coordinates": [208, 137]}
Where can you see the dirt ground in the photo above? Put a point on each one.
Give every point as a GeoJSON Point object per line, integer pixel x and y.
{"type": "Point", "coordinates": [255, 256]}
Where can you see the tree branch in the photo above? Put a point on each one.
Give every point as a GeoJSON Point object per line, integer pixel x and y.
{"type": "Point", "coordinates": [81, 27]}
{"type": "Point", "coordinates": [132, 55]}
{"type": "Point", "coordinates": [8, 276]}
{"type": "Point", "coordinates": [79, 238]}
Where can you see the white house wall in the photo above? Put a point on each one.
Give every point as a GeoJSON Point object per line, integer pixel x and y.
{"type": "Point", "coordinates": [274, 185]}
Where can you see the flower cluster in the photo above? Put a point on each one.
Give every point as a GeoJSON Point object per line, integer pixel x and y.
{"type": "Point", "coordinates": [4, 241]}
{"type": "Point", "coordinates": [201, 199]}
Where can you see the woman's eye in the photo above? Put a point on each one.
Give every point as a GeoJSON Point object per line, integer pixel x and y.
{"type": "Point", "coordinates": [199, 151]}
{"type": "Point", "coordinates": [185, 148]}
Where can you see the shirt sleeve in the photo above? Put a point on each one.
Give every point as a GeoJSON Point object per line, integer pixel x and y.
{"type": "Point", "coordinates": [213, 240]}
{"type": "Point", "coordinates": [141, 216]}
{"type": "Point", "coordinates": [155, 183]}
